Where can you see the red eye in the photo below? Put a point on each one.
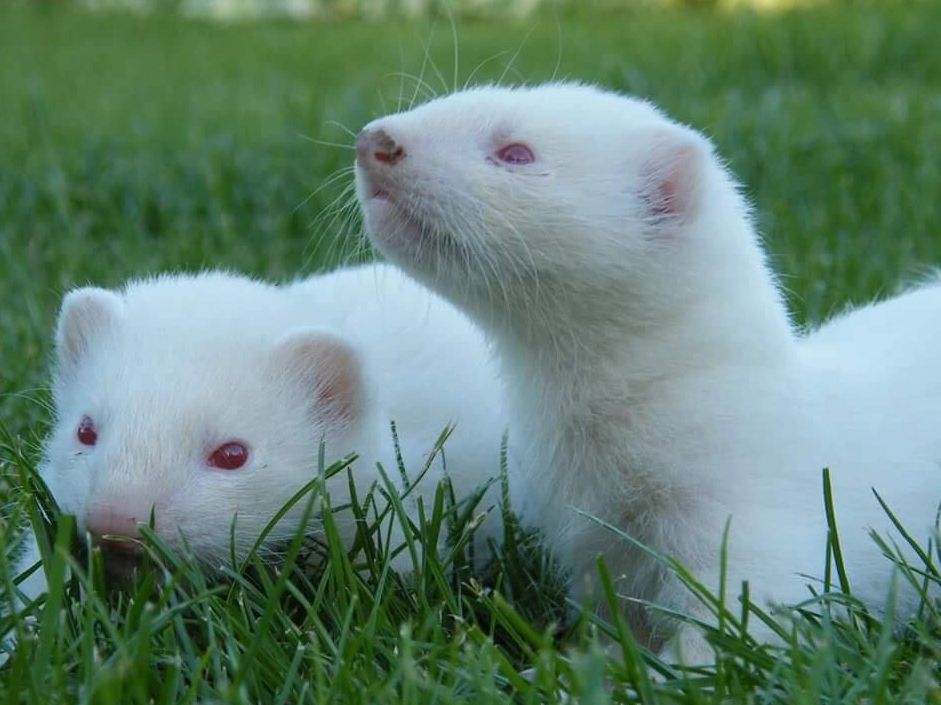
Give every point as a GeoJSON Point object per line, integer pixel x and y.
{"type": "Point", "coordinates": [229, 456]}
{"type": "Point", "coordinates": [87, 435]}
{"type": "Point", "coordinates": [516, 154]}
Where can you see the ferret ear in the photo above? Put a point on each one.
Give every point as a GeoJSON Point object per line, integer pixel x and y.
{"type": "Point", "coordinates": [329, 368]}
{"type": "Point", "coordinates": [86, 314]}
{"type": "Point", "coordinates": [671, 175]}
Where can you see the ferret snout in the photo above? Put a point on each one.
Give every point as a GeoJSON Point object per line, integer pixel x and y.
{"type": "Point", "coordinates": [113, 520]}
{"type": "Point", "coordinates": [376, 146]}
{"type": "Point", "coordinates": [112, 530]}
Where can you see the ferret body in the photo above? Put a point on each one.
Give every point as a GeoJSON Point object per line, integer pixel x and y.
{"type": "Point", "coordinates": [655, 379]}
{"type": "Point", "coordinates": [205, 398]}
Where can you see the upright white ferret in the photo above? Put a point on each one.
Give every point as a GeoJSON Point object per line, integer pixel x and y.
{"type": "Point", "coordinates": [205, 399]}
{"type": "Point", "coordinates": [656, 381]}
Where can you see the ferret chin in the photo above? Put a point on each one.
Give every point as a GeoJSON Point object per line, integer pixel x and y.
{"type": "Point", "coordinates": [655, 379]}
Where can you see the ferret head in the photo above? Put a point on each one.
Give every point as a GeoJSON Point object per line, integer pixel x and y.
{"type": "Point", "coordinates": [192, 400]}
{"type": "Point", "coordinates": [561, 189]}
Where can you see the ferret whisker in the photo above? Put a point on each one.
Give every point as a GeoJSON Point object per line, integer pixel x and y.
{"type": "Point", "coordinates": [510, 64]}
{"type": "Point", "coordinates": [340, 173]}
{"type": "Point", "coordinates": [326, 143]}
{"type": "Point", "coordinates": [399, 100]}
{"type": "Point", "coordinates": [490, 258]}
{"type": "Point", "coordinates": [420, 86]}
{"type": "Point", "coordinates": [421, 79]}
{"type": "Point", "coordinates": [523, 269]}
{"type": "Point", "coordinates": [337, 123]}
{"type": "Point", "coordinates": [426, 47]}
{"type": "Point", "coordinates": [325, 221]}
{"type": "Point", "coordinates": [486, 262]}
{"type": "Point", "coordinates": [484, 62]}
{"type": "Point", "coordinates": [336, 203]}
{"type": "Point", "coordinates": [333, 222]}
{"type": "Point", "coordinates": [363, 244]}
{"type": "Point", "coordinates": [351, 233]}
{"type": "Point", "coordinates": [492, 275]}
{"type": "Point", "coordinates": [455, 47]}
{"type": "Point", "coordinates": [558, 57]}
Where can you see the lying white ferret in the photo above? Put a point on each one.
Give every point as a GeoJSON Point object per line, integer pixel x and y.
{"type": "Point", "coordinates": [205, 399]}
{"type": "Point", "coordinates": [655, 379]}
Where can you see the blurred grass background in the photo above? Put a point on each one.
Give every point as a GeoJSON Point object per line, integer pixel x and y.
{"type": "Point", "coordinates": [131, 144]}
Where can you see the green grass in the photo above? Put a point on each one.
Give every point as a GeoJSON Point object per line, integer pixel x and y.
{"type": "Point", "coordinates": [129, 146]}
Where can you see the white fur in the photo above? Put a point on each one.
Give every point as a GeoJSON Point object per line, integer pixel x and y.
{"type": "Point", "coordinates": [655, 379]}
{"type": "Point", "coordinates": [171, 367]}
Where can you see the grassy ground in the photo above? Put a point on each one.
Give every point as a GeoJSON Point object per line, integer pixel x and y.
{"type": "Point", "coordinates": [129, 146]}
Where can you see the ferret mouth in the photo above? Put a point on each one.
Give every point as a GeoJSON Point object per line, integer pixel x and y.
{"type": "Point", "coordinates": [392, 224]}
{"type": "Point", "coordinates": [121, 565]}
{"type": "Point", "coordinates": [401, 224]}
{"type": "Point", "coordinates": [120, 570]}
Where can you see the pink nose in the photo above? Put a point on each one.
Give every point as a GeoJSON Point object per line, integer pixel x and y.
{"type": "Point", "coordinates": [376, 146]}
{"type": "Point", "coordinates": [112, 520]}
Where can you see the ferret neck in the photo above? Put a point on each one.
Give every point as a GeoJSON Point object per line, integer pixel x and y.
{"type": "Point", "coordinates": [586, 346]}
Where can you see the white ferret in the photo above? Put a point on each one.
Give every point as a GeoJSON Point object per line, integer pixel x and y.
{"type": "Point", "coordinates": [205, 399]}
{"type": "Point", "coordinates": [655, 379]}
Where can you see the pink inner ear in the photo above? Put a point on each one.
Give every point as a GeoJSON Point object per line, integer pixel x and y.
{"type": "Point", "coordinates": [671, 179]}
{"type": "Point", "coordinates": [668, 197]}
{"type": "Point", "coordinates": [328, 369]}
{"type": "Point", "coordinates": [337, 392]}
{"type": "Point", "coordinates": [85, 315]}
